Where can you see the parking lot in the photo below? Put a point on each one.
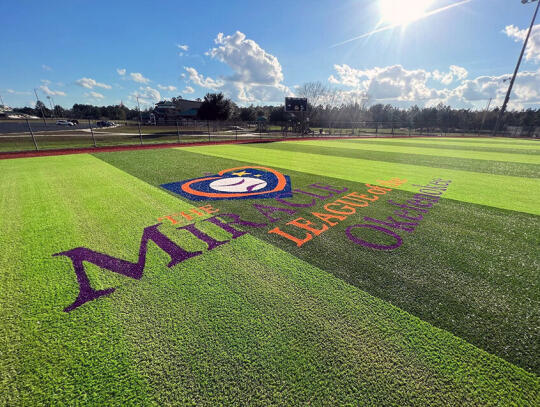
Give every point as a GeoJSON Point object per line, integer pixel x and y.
{"type": "Point", "coordinates": [20, 126]}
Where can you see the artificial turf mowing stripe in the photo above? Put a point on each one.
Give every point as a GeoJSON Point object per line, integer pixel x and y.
{"type": "Point", "coordinates": [244, 324]}
{"type": "Point", "coordinates": [463, 164]}
{"type": "Point", "coordinates": [374, 145]}
{"type": "Point", "coordinates": [459, 272]}
{"type": "Point", "coordinates": [248, 323]}
{"type": "Point", "coordinates": [436, 144]}
{"type": "Point", "coordinates": [514, 193]}
{"type": "Point", "coordinates": [47, 356]}
{"type": "Point", "coordinates": [474, 141]}
{"type": "Point", "coordinates": [525, 146]}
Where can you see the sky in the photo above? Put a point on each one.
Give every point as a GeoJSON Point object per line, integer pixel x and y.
{"type": "Point", "coordinates": [456, 52]}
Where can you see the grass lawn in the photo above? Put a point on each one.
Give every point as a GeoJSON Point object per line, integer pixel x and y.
{"type": "Point", "coordinates": [118, 136]}
{"type": "Point", "coordinates": [450, 316]}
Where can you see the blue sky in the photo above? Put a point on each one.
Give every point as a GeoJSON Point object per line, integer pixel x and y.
{"type": "Point", "coordinates": [258, 52]}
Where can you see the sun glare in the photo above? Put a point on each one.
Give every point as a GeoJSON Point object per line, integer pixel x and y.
{"type": "Point", "coordinates": [402, 12]}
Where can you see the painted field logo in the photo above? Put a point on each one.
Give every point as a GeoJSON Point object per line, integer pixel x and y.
{"type": "Point", "coordinates": [235, 183]}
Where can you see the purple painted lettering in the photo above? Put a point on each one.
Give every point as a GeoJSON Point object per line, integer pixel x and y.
{"type": "Point", "coordinates": [236, 221]}
{"type": "Point", "coordinates": [199, 234]}
{"type": "Point", "coordinates": [365, 243]}
{"type": "Point", "coordinates": [126, 268]}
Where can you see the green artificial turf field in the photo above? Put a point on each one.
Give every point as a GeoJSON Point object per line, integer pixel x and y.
{"type": "Point", "coordinates": [355, 290]}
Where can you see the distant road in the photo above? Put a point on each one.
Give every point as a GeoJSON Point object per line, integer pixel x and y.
{"type": "Point", "coordinates": [7, 127]}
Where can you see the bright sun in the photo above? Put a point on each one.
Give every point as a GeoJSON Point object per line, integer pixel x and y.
{"type": "Point", "coordinates": [402, 11]}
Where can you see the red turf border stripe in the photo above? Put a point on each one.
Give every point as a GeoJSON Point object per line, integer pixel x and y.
{"type": "Point", "coordinates": [90, 150]}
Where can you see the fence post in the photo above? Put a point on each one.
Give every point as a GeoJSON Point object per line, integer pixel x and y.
{"type": "Point", "coordinates": [376, 129]}
{"type": "Point", "coordinates": [236, 132]}
{"type": "Point", "coordinates": [92, 131]}
{"type": "Point", "coordinates": [409, 130]}
{"type": "Point", "coordinates": [140, 134]}
{"type": "Point", "coordinates": [208, 125]}
{"type": "Point", "coordinates": [32, 133]}
{"type": "Point", "coordinates": [392, 129]}
{"type": "Point", "coordinates": [177, 131]}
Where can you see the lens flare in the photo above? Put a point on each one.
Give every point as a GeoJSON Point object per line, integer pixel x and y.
{"type": "Point", "coordinates": [402, 12]}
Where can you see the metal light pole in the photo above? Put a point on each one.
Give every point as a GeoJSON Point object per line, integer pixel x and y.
{"type": "Point", "coordinates": [507, 98]}
{"type": "Point", "coordinates": [41, 106]}
{"type": "Point", "coordinates": [54, 104]}
{"type": "Point", "coordinates": [51, 104]}
{"type": "Point", "coordinates": [484, 116]}
{"type": "Point", "coordinates": [140, 115]}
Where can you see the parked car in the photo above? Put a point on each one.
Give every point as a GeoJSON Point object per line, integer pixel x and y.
{"type": "Point", "coordinates": [64, 123]}
{"type": "Point", "coordinates": [75, 122]}
{"type": "Point", "coordinates": [104, 123]}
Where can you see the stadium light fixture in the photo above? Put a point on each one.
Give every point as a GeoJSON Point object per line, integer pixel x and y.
{"type": "Point", "coordinates": [507, 97]}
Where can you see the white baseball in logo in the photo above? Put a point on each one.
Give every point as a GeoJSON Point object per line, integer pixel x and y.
{"type": "Point", "coordinates": [238, 184]}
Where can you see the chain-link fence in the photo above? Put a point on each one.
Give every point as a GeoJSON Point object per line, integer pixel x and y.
{"type": "Point", "coordinates": [24, 135]}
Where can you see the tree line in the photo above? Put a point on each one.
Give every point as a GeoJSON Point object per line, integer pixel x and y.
{"type": "Point", "coordinates": [322, 112]}
{"type": "Point", "coordinates": [82, 111]}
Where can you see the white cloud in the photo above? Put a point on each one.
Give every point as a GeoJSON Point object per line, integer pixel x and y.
{"type": "Point", "coordinates": [386, 83]}
{"type": "Point", "coordinates": [446, 78]}
{"type": "Point", "coordinates": [183, 47]}
{"type": "Point", "coordinates": [147, 95]}
{"type": "Point", "coordinates": [45, 81]}
{"type": "Point", "coordinates": [459, 72]}
{"type": "Point", "coordinates": [188, 90]}
{"type": "Point", "coordinates": [532, 53]}
{"type": "Point", "coordinates": [94, 95]}
{"type": "Point", "coordinates": [169, 88]}
{"type": "Point", "coordinates": [15, 92]}
{"type": "Point", "coordinates": [332, 79]}
{"type": "Point", "coordinates": [50, 92]}
{"type": "Point", "coordinates": [46, 67]}
{"type": "Point", "coordinates": [90, 83]}
{"type": "Point", "coordinates": [250, 63]}
{"type": "Point", "coordinates": [121, 71]}
{"type": "Point", "coordinates": [526, 89]}
{"type": "Point", "coordinates": [397, 85]}
{"type": "Point", "coordinates": [248, 93]}
{"type": "Point", "coordinates": [257, 75]}
{"type": "Point", "coordinates": [138, 77]}
{"type": "Point", "coordinates": [200, 80]}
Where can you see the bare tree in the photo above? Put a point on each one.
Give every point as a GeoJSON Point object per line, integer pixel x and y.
{"type": "Point", "coordinates": [319, 96]}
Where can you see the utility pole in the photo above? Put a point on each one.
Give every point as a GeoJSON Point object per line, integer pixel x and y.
{"type": "Point", "coordinates": [41, 106]}
{"type": "Point", "coordinates": [507, 98]}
